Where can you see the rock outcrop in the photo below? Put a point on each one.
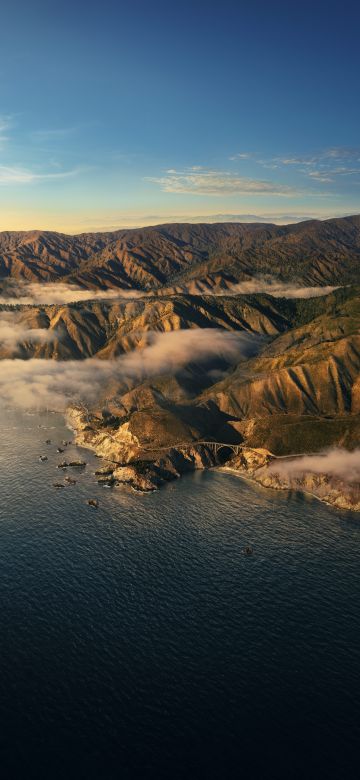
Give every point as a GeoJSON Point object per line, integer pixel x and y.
{"type": "Point", "coordinates": [127, 461]}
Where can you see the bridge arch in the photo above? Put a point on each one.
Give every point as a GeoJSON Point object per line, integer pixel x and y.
{"type": "Point", "coordinates": [214, 446]}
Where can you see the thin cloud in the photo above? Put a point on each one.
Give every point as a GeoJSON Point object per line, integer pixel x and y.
{"type": "Point", "coordinates": [194, 181]}
{"type": "Point", "coordinates": [322, 167]}
{"type": "Point", "coordinates": [241, 156]}
{"type": "Point", "coordinates": [342, 171]}
{"type": "Point", "coordinates": [319, 176]}
{"type": "Point", "coordinates": [5, 125]}
{"type": "Point", "coordinates": [295, 160]}
{"type": "Point", "coordinates": [53, 133]}
{"type": "Point", "coordinates": [342, 152]}
{"type": "Point", "coordinates": [14, 175]}
{"type": "Point", "coordinates": [331, 155]}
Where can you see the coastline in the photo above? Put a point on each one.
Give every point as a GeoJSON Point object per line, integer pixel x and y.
{"type": "Point", "coordinates": [125, 463]}
{"type": "Point", "coordinates": [252, 481]}
{"type": "Point", "coordinates": [330, 490]}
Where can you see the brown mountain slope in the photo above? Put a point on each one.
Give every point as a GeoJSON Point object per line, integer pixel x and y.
{"type": "Point", "coordinates": [303, 390]}
{"type": "Point", "coordinates": [142, 261]}
{"type": "Point", "coordinates": [312, 252]}
{"type": "Point", "coordinates": [108, 329]}
{"type": "Point", "coordinates": [39, 255]}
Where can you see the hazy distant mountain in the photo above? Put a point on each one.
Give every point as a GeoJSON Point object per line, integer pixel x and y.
{"type": "Point", "coordinates": [134, 223]}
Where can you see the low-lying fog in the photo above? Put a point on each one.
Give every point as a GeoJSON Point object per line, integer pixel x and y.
{"type": "Point", "coordinates": [335, 461]}
{"type": "Point", "coordinates": [50, 383]}
{"type": "Point", "coordinates": [47, 293]}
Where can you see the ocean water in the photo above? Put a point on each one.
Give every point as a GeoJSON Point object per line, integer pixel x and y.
{"type": "Point", "coordinates": [138, 641]}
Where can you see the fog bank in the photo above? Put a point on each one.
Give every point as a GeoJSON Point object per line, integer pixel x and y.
{"type": "Point", "coordinates": [277, 289]}
{"type": "Point", "coordinates": [336, 462]}
{"type": "Point", "coordinates": [47, 293]}
{"type": "Point", "coordinates": [12, 333]}
{"type": "Point", "coordinates": [38, 383]}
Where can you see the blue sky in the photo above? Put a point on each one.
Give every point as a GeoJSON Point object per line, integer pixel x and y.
{"type": "Point", "coordinates": [120, 113]}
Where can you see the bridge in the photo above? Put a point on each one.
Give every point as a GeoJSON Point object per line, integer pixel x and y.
{"type": "Point", "coordinates": [213, 446]}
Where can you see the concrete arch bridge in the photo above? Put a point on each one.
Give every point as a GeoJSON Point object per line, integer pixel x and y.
{"type": "Point", "coordinates": [213, 446]}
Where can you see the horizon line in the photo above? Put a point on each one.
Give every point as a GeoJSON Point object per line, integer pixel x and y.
{"type": "Point", "coordinates": [249, 219]}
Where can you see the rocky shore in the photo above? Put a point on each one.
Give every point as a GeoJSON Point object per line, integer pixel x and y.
{"type": "Point", "coordinates": [264, 468]}
{"type": "Point", "coordinates": [126, 461]}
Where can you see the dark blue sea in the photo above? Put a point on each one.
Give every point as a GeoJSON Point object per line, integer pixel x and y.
{"type": "Point", "coordinates": [138, 641]}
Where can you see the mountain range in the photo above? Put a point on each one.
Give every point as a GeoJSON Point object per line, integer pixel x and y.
{"type": "Point", "coordinates": [291, 387]}
{"type": "Point", "coordinates": [312, 252]}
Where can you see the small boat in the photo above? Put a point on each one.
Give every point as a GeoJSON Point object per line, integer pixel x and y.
{"type": "Point", "coordinates": [248, 550]}
{"type": "Point", "coordinates": [59, 450]}
{"type": "Point", "coordinates": [77, 463]}
{"type": "Point", "coordinates": [93, 502]}
{"type": "Point", "coordinates": [48, 441]}
{"type": "Point", "coordinates": [43, 458]}
{"type": "Point", "coordinates": [58, 485]}
{"type": "Point", "coordinates": [70, 481]}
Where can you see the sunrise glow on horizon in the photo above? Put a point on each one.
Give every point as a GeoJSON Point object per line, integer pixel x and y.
{"type": "Point", "coordinates": [122, 116]}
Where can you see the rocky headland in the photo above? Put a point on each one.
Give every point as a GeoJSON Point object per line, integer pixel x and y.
{"type": "Point", "coordinates": [128, 462]}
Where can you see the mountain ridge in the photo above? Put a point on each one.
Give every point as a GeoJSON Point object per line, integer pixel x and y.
{"type": "Point", "coordinates": [312, 251]}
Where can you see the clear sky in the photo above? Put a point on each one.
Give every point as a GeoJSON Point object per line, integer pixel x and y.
{"type": "Point", "coordinates": [128, 113]}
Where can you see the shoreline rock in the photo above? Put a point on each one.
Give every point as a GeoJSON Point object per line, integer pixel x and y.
{"type": "Point", "coordinates": [126, 465]}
